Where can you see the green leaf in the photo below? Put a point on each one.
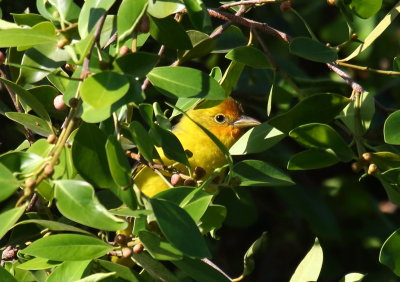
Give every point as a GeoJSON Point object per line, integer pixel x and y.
{"type": "Point", "coordinates": [68, 247]}
{"type": "Point", "coordinates": [257, 247]}
{"type": "Point", "coordinates": [54, 226]}
{"type": "Point", "coordinates": [324, 108]}
{"type": "Point", "coordinates": [42, 33]}
{"type": "Point", "coordinates": [196, 203]}
{"type": "Point", "coordinates": [170, 144]}
{"type": "Point", "coordinates": [199, 270]}
{"type": "Point", "coordinates": [312, 50]}
{"type": "Point", "coordinates": [92, 11]}
{"type": "Point", "coordinates": [257, 139]}
{"type": "Point", "coordinates": [27, 19]}
{"type": "Point", "coordinates": [202, 45]}
{"type": "Point", "coordinates": [196, 83]}
{"type": "Point", "coordinates": [76, 201]}
{"type": "Point", "coordinates": [21, 162]}
{"type": "Point", "coordinates": [117, 162]}
{"type": "Point", "coordinates": [179, 228]}
{"type": "Point", "coordinates": [310, 266]}
{"type": "Point", "coordinates": [198, 14]}
{"type": "Point", "coordinates": [28, 99]}
{"type": "Point", "coordinates": [169, 33]}
{"type": "Point", "coordinates": [96, 277]}
{"type": "Point", "coordinates": [46, 57]}
{"type": "Point", "coordinates": [129, 14]}
{"type": "Point", "coordinates": [353, 277]}
{"type": "Point", "coordinates": [38, 263]}
{"type": "Point", "coordinates": [231, 77]}
{"type": "Point", "coordinates": [154, 267]}
{"type": "Point", "coordinates": [390, 182]}
{"type": "Point", "coordinates": [213, 218]}
{"type": "Point", "coordinates": [34, 123]}
{"type": "Point", "coordinates": [137, 64]}
{"type": "Point", "coordinates": [249, 56]}
{"type": "Point", "coordinates": [120, 270]}
{"type": "Point", "coordinates": [8, 183]}
{"type": "Point", "coordinates": [9, 218]}
{"type": "Point", "coordinates": [88, 149]}
{"type": "Point", "coordinates": [104, 88]}
{"type": "Point", "coordinates": [6, 276]}
{"type": "Point", "coordinates": [259, 173]}
{"type": "Point", "coordinates": [142, 140]}
{"type": "Point", "coordinates": [389, 252]}
{"type": "Point", "coordinates": [69, 271]}
{"type": "Point", "coordinates": [312, 159]}
{"type": "Point", "coordinates": [67, 10]}
{"type": "Point", "coordinates": [365, 8]}
{"type": "Point", "coordinates": [158, 248]}
{"type": "Point", "coordinates": [162, 9]}
{"type": "Point", "coordinates": [322, 136]}
{"type": "Point", "coordinates": [366, 112]}
{"type": "Point", "coordinates": [390, 130]}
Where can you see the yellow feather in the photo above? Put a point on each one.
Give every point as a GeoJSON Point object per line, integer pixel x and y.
{"type": "Point", "coordinates": [206, 153]}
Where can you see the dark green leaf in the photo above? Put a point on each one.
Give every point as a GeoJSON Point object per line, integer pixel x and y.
{"type": "Point", "coordinates": [231, 77]}
{"type": "Point", "coordinates": [187, 237]}
{"type": "Point", "coordinates": [92, 11]}
{"type": "Point", "coordinates": [118, 163]}
{"type": "Point", "coordinates": [6, 276]}
{"type": "Point", "coordinates": [54, 225]}
{"type": "Point", "coordinates": [69, 271]}
{"type": "Point", "coordinates": [249, 56]}
{"type": "Point", "coordinates": [390, 130]}
{"type": "Point", "coordinates": [68, 247]}
{"type": "Point", "coordinates": [158, 248]}
{"type": "Point", "coordinates": [365, 8]}
{"type": "Point", "coordinates": [104, 88]}
{"type": "Point", "coordinates": [146, 111]}
{"type": "Point", "coordinates": [162, 9]}
{"type": "Point", "coordinates": [257, 139]}
{"type": "Point", "coordinates": [9, 218]}
{"type": "Point", "coordinates": [256, 248]}
{"type": "Point", "coordinates": [312, 159]}
{"type": "Point", "coordinates": [34, 123]}
{"type": "Point", "coordinates": [198, 14]}
{"type": "Point", "coordinates": [231, 38]}
{"type": "Point", "coordinates": [366, 112]}
{"type": "Point", "coordinates": [169, 33]}
{"type": "Point", "coordinates": [322, 136]}
{"type": "Point", "coordinates": [202, 45]}
{"type": "Point", "coordinates": [120, 270]}
{"type": "Point", "coordinates": [213, 218]}
{"type": "Point", "coordinates": [170, 144]}
{"type": "Point", "coordinates": [8, 183]}
{"type": "Point", "coordinates": [259, 173]}
{"type": "Point", "coordinates": [156, 269]}
{"type": "Point", "coordinates": [142, 140]}
{"type": "Point", "coordinates": [67, 9]}
{"type": "Point", "coordinates": [21, 162]}
{"type": "Point", "coordinates": [196, 83]}
{"type": "Point", "coordinates": [200, 271]}
{"type": "Point", "coordinates": [42, 33]}
{"type": "Point", "coordinates": [38, 263]}
{"type": "Point", "coordinates": [312, 50]}
{"type": "Point", "coordinates": [324, 108]}
{"type": "Point", "coordinates": [129, 15]}
{"type": "Point", "coordinates": [389, 252]}
{"type": "Point", "coordinates": [76, 201]}
{"type": "Point", "coordinates": [27, 19]}
{"type": "Point", "coordinates": [88, 149]}
{"type": "Point", "coordinates": [137, 64]}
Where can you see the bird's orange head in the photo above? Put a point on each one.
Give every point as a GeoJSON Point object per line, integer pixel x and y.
{"type": "Point", "coordinates": [225, 120]}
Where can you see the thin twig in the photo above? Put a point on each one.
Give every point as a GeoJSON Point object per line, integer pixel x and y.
{"type": "Point", "coordinates": [250, 2]}
{"type": "Point", "coordinates": [223, 27]}
{"type": "Point", "coordinates": [357, 88]}
{"type": "Point", "coordinates": [362, 68]}
{"type": "Point", "coordinates": [147, 81]}
{"type": "Point", "coordinates": [210, 263]}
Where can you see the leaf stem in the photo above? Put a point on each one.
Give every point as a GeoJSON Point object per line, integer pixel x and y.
{"type": "Point", "coordinates": [385, 72]}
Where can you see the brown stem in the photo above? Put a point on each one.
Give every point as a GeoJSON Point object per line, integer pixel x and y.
{"type": "Point", "coordinates": [147, 81]}
{"type": "Point", "coordinates": [221, 28]}
{"type": "Point", "coordinates": [357, 88]}
{"type": "Point", "coordinates": [362, 68]}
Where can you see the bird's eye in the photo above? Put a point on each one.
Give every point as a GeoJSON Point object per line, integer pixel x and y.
{"type": "Point", "coordinates": [220, 118]}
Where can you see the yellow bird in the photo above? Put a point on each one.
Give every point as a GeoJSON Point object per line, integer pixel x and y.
{"type": "Point", "coordinates": [225, 120]}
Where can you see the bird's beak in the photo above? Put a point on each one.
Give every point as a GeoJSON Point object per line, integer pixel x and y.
{"type": "Point", "coordinates": [245, 121]}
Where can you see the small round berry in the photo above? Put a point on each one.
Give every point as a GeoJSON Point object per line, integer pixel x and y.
{"type": "Point", "coordinates": [59, 103]}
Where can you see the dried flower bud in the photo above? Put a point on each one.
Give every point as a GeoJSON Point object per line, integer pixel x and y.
{"type": "Point", "coordinates": [367, 157]}
{"type": "Point", "coordinates": [59, 103]}
{"type": "Point", "coordinates": [188, 153]}
{"type": "Point", "coordinates": [189, 182]}
{"type": "Point", "coordinates": [121, 239]}
{"type": "Point", "coordinates": [51, 139]}
{"type": "Point", "coordinates": [199, 172]}
{"type": "Point", "coordinates": [126, 252]}
{"type": "Point", "coordinates": [356, 166]}
{"type": "Point", "coordinates": [48, 170]}
{"type": "Point", "coordinates": [144, 25]}
{"type": "Point", "coordinates": [2, 58]}
{"type": "Point", "coordinates": [176, 179]}
{"type": "Point", "coordinates": [124, 50]}
{"type": "Point", "coordinates": [285, 6]}
{"type": "Point", "coordinates": [30, 182]}
{"type": "Point", "coordinates": [73, 102]}
{"type": "Point", "coordinates": [235, 181]}
{"type": "Point", "coordinates": [372, 169]}
{"type": "Point", "coordinates": [61, 43]}
{"type": "Point", "coordinates": [137, 249]}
